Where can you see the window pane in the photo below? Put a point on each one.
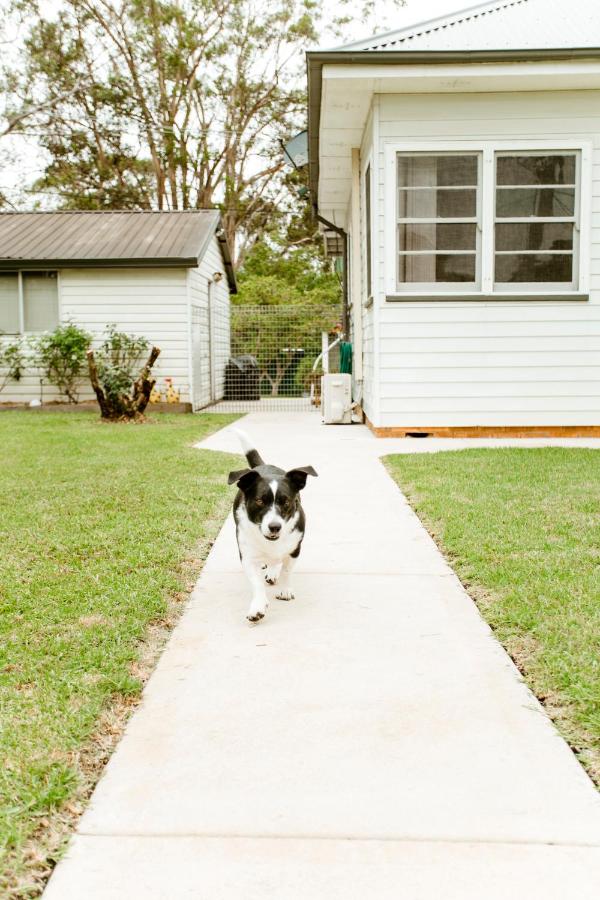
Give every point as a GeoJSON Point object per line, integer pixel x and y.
{"type": "Point", "coordinates": [536, 169]}
{"type": "Point", "coordinates": [437, 204]}
{"type": "Point", "coordinates": [445, 171]}
{"type": "Point", "coordinates": [436, 267]}
{"type": "Point", "coordinates": [437, 236]}
{"type": "Point", "coordinates": [534, 267]}
{"type": "Point", "coordinates": [517, 202]}
{"type": "Point", "coordinates": [534, 236]}
{"type": "Point", "coordinates": [40, 299]}
{"type": "Point", "coordinates": [9, 303]}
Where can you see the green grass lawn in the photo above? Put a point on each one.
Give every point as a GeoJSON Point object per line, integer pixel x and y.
{"type": "Point", "coordinates": [99, 526]}
{"type": "Point", "coordinates": [521, 528]}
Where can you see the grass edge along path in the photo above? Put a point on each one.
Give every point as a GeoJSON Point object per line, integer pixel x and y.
{"type": "Point", "coordinates": [103, 530]}
{"type": "Point", "coordinates": [521, 528]}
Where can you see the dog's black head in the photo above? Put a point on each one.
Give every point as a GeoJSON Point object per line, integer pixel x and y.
{"type": "Point", "coordinates": [271, 496]}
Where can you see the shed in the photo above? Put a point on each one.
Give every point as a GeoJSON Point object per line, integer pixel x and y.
{"type": "Point", "coordinates": [461, 156]}
{"type": "Point", "coordinates": [166, 276]}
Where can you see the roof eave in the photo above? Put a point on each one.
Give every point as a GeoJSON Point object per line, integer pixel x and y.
{"type": "Point", "coordinates": [225, 252]}
{"type": "Point", "coordinates": [316, 59]}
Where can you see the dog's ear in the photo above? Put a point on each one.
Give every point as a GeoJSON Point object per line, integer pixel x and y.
{"type": "Point", "coordinates": [243, 478]}
{"type": "Point", "coordinates": [298, 476]}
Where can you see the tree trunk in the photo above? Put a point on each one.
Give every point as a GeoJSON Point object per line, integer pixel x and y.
{"type": "Point", "coordinates": [115, 407]}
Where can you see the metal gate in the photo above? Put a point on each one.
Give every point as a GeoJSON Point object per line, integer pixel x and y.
{"type": "Point", "coordinates": [201, 367]}
{"type": "Point", "coordinates": [275, 357]}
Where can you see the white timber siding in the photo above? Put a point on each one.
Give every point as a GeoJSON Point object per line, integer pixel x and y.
{"type": "Point", "coordinates": [210, 327]}
{"type": "Point", "coordinates": [150, 303]}
{"type": "Point", "coordinates": [369, 399]}
{"type": "Point", "coordinates": [453, 362]}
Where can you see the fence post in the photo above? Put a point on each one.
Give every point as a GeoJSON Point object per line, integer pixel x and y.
{"type": "Point", "coordinates": [325, 352]}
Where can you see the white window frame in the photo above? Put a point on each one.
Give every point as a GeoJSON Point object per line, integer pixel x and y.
{"type": "Point", "coordinates": [487, 192]}
{"type": "Point", "coordinates": [445, 286]}
{"type": "Point", "coordinates": [21, 299]}
{"type": "Point", "coordinates": [533, 286]}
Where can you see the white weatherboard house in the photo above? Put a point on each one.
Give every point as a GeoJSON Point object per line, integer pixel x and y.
{"type": "Point", "coordinates": [166, 276]}
{"type": "Point", "coordinates": [462, 158]}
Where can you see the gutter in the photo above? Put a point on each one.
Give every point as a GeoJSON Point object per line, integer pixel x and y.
{"type": "Point", "coordinates": [104, 262]}
{"type": "Point", "coordinates": [316, 59]}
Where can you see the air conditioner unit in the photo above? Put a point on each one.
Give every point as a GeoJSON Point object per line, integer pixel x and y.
{"type": "Point", "coordinates": [336, 399]}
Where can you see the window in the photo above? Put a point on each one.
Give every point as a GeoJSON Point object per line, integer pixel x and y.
{"type": "Point", "coordinates": [494, 219]}
{"type": "Point", "coordinates": [438, 220]}
{"type": "Point", "coordinates": [9, 303]}
{"type": "Point", "coordinates": [535, 225]}
{"type": "Point", "coordinates": [28, 301]}
{"type": "Point", "coordinates": [368, 231]}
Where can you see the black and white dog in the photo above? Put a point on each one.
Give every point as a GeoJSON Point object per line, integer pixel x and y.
{"type": "Point", "coordinates": [269, 523]}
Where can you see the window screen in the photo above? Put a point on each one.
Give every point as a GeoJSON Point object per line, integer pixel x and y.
{"type": "Point", "coordinates": [9, 303]}
{"type": "Point", "coordinates": [438, 219]}
{"type": "Point", "coordinates": [536, 221]}
{"type": "Point", "coordinates": [40, 301]}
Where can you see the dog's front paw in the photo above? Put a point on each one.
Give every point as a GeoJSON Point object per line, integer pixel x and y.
{"type": "Point", "coordinates": [254, 617]}
{"type": "Point", "coordinates": [271, 574]}
{"type": "Point", "coordinates": [285, 594]}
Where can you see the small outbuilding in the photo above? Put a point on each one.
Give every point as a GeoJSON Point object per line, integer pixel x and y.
{"type": "Point", "coordinates": [461, 158]}
{"type": "Point", "coordinates": [165, 276]}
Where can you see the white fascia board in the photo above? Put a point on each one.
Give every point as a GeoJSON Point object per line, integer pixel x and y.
{"type": "Point", "coordinates": [458, 77]}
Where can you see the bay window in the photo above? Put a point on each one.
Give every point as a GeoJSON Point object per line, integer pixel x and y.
{"type": "Point", "coordinates": [489, 220]}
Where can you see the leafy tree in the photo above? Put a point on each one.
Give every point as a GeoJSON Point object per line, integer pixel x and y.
{"type": "Point", "coordinates": [170, 105]}
{"type": "Point", "coordinates": [61, 355]}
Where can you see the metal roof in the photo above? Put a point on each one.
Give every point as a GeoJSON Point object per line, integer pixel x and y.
{"type": "Point", "coordinates": [505, 25]}
{"type": "Point", "coordinates": [68, 239]}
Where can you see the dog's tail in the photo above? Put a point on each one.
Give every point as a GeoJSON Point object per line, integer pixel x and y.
{"type": "Point", "coordinates": [252, 455]}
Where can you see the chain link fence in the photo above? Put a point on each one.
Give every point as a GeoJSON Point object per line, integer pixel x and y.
{"type": "Point", "coordinates": [274, 362]}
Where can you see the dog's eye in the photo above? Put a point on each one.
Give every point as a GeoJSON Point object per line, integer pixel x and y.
{"type": "Point", "coordinates": [259, 502]}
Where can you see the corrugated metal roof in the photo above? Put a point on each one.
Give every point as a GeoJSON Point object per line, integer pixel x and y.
{"type": "Point", "coordinates": [121, 238]}
{"type": "Point", "coordinates": [507, 25]}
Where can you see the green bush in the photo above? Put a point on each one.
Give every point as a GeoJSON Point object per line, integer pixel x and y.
{"type": "Point", "coordinates": [12, 362]}
{"type": "Point", "coordinates": [118, 359]}
{"type": "Point", "coordinates": [61, 355]}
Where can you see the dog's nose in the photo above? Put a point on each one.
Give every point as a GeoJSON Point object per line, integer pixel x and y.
{"type": "Point", "coordinates": [274, 527]}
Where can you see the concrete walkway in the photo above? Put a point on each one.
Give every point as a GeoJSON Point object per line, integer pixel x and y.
{"type": "Point", "coordinates": [369, 740]}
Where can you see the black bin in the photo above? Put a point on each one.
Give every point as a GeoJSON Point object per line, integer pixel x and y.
{"type": "Point", "coordinates": [241, 378]}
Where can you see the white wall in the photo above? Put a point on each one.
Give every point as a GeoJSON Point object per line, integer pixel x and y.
{"type": "Point", "coordinates": [204, 390]}
{"type": "Point", "coordinates": [147, 302]}
{"type": "Point", "coordinates": [369, 397]}
{"type": "Point", "coordinates": [475, 362]}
